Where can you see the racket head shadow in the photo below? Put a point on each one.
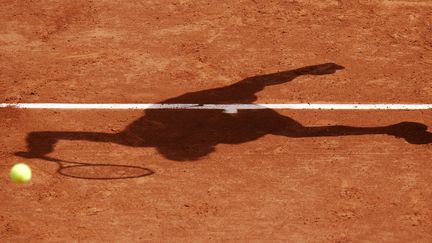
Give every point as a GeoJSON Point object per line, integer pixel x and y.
{"type": "Point", "coordinates": [104, 171]}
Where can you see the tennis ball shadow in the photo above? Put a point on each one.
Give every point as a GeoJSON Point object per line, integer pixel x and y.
{"type": "Point", "coordinates": [190, 135]}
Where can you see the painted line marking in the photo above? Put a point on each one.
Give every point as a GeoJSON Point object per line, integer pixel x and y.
{"type": "Point", "coordinates": [229, 108]}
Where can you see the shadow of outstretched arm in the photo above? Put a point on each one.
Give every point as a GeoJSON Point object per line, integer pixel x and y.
{"type": "Point", "coordinates": [244, 91]}
{"type": "Point", "coordinates": [286, 76]}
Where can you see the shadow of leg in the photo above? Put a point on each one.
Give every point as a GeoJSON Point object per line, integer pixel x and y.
{"type": "Point", "coordinates": [412, 132]}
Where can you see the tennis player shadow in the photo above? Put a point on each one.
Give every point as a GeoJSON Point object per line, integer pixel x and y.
{"type": "Point", "coordinates": [189, 135]}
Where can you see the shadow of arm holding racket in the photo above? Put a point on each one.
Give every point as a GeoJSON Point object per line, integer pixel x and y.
{"type": "Point", "coordinates": [42, 143]}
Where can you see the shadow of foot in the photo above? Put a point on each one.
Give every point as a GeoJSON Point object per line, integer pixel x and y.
{"type": "Point", "coordinates": [412, 132]}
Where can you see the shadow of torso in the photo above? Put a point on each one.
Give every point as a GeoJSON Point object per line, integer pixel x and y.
{"type": "Point", "coordinates": [190, 134]}
{"type": "Point", "coordinates": [184, 134]}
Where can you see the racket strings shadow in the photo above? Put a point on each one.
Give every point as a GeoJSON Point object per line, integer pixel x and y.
{"type": "Point", "coordinates": [104, 171]}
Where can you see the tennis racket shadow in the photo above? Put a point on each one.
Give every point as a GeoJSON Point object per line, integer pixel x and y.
{"type": "Point", "coordinates": [81, 170]}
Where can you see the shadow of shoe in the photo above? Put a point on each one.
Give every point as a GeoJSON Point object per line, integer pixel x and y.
{"type": "Point", "coordinates": [412, 132]}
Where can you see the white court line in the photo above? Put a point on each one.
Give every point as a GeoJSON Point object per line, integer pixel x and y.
{"type": "Point", "coordinates": [229, 108]}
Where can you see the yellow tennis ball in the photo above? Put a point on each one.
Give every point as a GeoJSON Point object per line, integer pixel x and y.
{"type": "Point", "coordinates": [20, 173]}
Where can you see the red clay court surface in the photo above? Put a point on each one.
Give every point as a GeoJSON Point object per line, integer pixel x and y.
{"type": "Point", "coordinates": [198, 176]}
